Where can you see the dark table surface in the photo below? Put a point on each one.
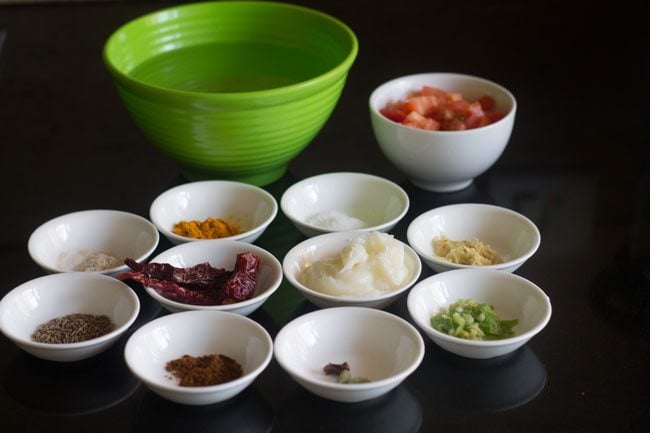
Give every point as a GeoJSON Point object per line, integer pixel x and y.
{"type": "Point", "coordinates": [577, 165]}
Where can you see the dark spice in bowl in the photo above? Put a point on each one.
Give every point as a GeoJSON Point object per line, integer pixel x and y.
{"type": "Point", "coordinates": [204, 370]}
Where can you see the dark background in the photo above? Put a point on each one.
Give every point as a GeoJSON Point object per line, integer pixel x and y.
{"type": "Point", "coordinates": [577, 165]}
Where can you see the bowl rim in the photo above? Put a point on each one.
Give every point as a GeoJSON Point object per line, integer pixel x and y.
{"type": "Point", "coordinates": [157, 204]}
{"type": "Point", "coordinates": [200, 390]}
{"type": "Point", "coordinates": [393, 186]}
{"type": "Point", "coordinates": [91, 277]}
{"type": "Point", "coordinates": [423, 285]}
{"type": "Point", "coordinates": [412, 227]}
{"type": "Point", "coordinates": [332, 73]}
{"type": "Point", "coordinates": [349, 234]}
{"type": "Point", "coordinates": [275, 263]}
{"type": "Point", "coordinates": [374, 108]}
{"type": "Point", "coordinates": [38, 232]}
{"type": "Point", "coordinates": [408, 328]}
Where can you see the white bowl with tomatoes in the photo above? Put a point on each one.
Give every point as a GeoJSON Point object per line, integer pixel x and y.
{"type": "Point", "coordinates": [442, 130]}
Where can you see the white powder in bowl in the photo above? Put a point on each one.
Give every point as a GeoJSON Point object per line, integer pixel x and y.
{"type": "Point", "coordinates": [336, 220]}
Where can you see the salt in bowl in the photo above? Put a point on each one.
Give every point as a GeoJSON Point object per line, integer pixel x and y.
{"type": "Point", "coordinates": [344, 201]}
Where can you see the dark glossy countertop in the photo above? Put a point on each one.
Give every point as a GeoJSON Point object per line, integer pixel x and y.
{"type": "Point", "coordinates": [577, 165]}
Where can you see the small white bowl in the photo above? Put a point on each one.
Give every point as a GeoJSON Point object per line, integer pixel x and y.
{"type": "Point", "coordinates": [221, 253]}
{"type": "Point", "coordinates": [377, 345]}
{"type": "Point", "coordinates": [513, 236]}
{"type": "Point", "coordinates": [250, 207]}
{"type": "Point", "coordinates": [442, 160]}
{"type": "Point", "coordinates": [63, 242]}
{"type": "Point", "coordinates": [39, 300]}
{"type": "Point", "coordinates": [344, 201]}
{"type": "Point", "coordinates": [512, 296]}
{"type": "Point", "coordinates": [197, 333]}
{"type": "Point", "coordinates": [327, 245]}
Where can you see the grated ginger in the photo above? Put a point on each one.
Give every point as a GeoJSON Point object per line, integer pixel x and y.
{"type": "Point", "coordinates": [466, 252]}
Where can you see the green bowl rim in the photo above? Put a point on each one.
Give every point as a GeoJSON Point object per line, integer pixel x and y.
{"type": "Point", "coordinates": [341, 68]}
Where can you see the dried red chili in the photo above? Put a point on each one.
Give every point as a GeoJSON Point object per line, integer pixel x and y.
{"type": "Point", "coordinates": [200, 284]}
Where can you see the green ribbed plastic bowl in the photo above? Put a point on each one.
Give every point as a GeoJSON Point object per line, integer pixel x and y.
{"type": "Point", "coordinates": [231, 89]}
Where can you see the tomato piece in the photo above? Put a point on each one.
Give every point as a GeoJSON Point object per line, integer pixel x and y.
{"type": "Point", "coordinates": [424, 105]}
{"type": "Point", "coordinates": [428, 90]}
{"type": "Point", "coordinates": [459, 108]}
{"type": "Point", "coordinates": [454, 97]}
{"type": "Point", "coordinates": [453, 125]}
{"type": "Point", "coordinates": [495, 116]}
{"type": "Point", "coordinates": [487, 103]}
{"type": "Point", "coordinates": [393, 113]}
{"type": "Point", "coordinates": [416, 120]}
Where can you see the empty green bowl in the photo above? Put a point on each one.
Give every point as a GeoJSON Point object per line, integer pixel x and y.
{"type": "Point", "coordinates": [231, 89]}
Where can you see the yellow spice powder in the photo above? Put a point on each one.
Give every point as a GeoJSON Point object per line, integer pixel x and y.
{"type": "Point", "coordinates": [211, 228]}
{"type": "Point", "coordinates": [466, 252]}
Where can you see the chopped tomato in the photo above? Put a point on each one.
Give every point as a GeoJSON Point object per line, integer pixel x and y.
{"type": "Point", "coordinates": [393, 113]}
{"type": "Point", "coordinates": [428, 90]}
{"type": "Point", "coordinates": [416, 120]}
{"type": "Point", "coordinates": [487, 102]}
{"type": "Point", "coordinates": [459, 108]}
{"type": "Point", "coordinates": [423, 104]}
{"type": "Point", "coordinates": [495, 116]}
{"type": "Point", "coordinates": [434, 109]}
{"type": "Point", "coordinates": [453, 125]}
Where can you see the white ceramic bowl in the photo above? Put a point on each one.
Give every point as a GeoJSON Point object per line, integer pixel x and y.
{"type": "Point", "coordinates": [344, 201]}
{"type": "Point", "coordinates": [512, 296]}
{"type": "Point", "coordinates": [61, 243]}
{"type": "Point", "coordinates": [377, 345]}
{"type": "Point", "coordinates": [442, 160]}
{"type": "Point", "coordinates": [327, 245]}
{"type": "Point", "coordinates": [39, 300]}
{"type": "Point", "coordinates": [513, 236]}
{"type": "Point", "coordinates": [221, 253]}
{"type": "Point", "coordinates": [250, 207]}
{"type": "Point", "coordinates": [197, 333]}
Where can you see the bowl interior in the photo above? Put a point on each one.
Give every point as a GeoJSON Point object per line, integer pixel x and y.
{"type": "Point", "coordinates": [249, 207]}
{"type": "Point", "coordinates": [373, 200]}
{"type": "Point", "coordinates": [172, 336]}
{"type": "Point", "coordinates": [376, 344]}
{"type": "Point", "coordinates": [512, 296]}
{"type": "Point", "coordinates": [62, 242]}
{"type": "Point", "coordinates": [224, 47]}
{"type": "Point", "coordinates": [510, 234]}
{"type": "Point", "coordinates": [37, 301]}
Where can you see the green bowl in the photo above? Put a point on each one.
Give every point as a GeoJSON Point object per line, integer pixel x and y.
{"type": "Point", "coordinates": [231, 89]}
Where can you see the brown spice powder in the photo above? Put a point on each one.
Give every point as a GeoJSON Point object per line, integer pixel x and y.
{"type": "Point", "coordinates": [204, 370]}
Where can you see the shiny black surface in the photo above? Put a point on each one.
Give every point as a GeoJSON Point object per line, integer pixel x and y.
{"type": "Point", "coordinates": [577, 165]}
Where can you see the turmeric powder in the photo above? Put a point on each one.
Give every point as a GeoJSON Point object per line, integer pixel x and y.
{"type": "Point", "coordinates": [210, 228]}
